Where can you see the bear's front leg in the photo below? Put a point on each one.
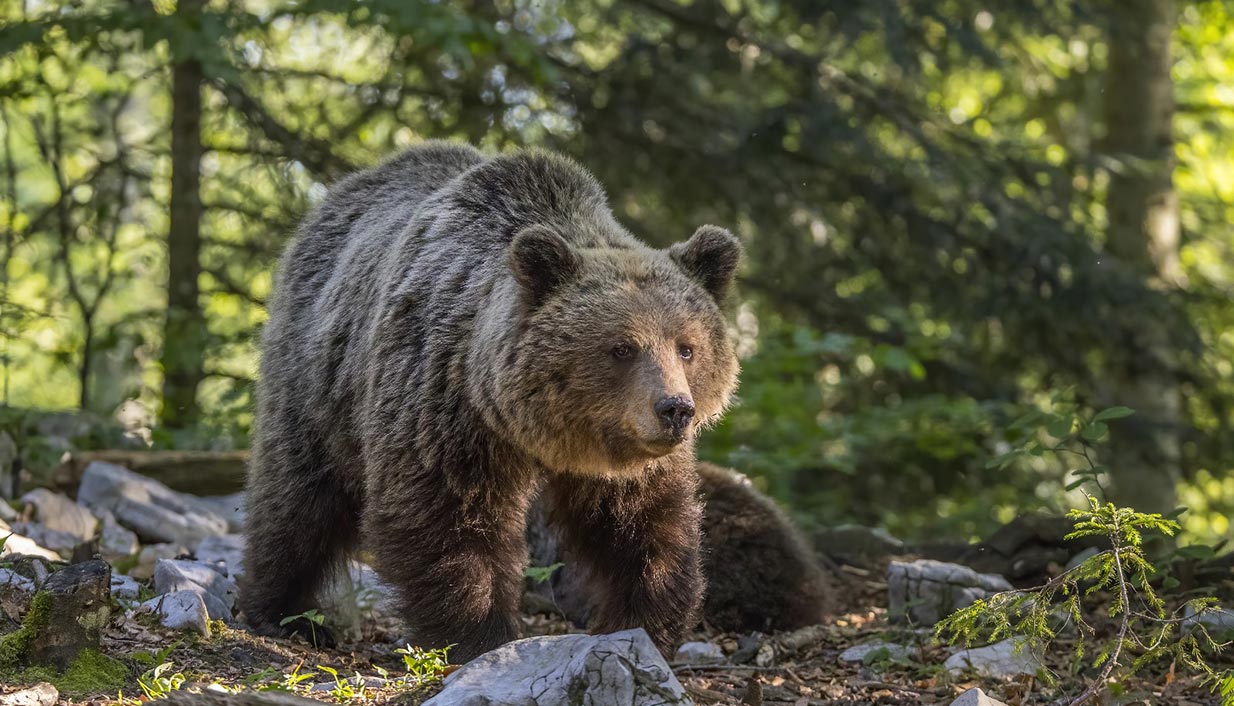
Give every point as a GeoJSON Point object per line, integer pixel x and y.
{"type": "Point", "coordinates": [637, 542]}
{"type": "Point", "coordinates": [456, 558]}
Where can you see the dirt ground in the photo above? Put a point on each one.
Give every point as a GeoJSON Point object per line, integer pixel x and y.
{"type": "Point", "coordinates": [800, 668]}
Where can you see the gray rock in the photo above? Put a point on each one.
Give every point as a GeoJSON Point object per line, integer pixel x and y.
{"type": "Point", "coordinates": [17, 544]}
{"type": "Point", "coordinates": [1082, 557]}
{"type": "Point", "coordinates": [59, 513]}
{"type": "Point", "coordinates": [926, 591]}
{"type": "Point", "coordinates": [59, 542]}
{"type": "Point", "coordinates": [976, 697]}
{"type": "Point", "coordinates": [41, 694]}
{"type": "Point", "coordinates": [216, 590]}
{"type": "Point", "coordinates": [15, 594]}
{"type": "Point", "coordinates": [700, 653]}
{"type": "Point", "coordinates": [179, 610]}
{"type": "Point", "coordinates": [33, 568]}
{"type": "Point", "coordinates": [7, 513]}
{"type": "Point", "coordinates": [149, 508]}
{"type": "Point", "coordinates": [1218, 621]}
{"type": "Point", "coordinates": [208, 697]}
{"type": "Point", "coordinates": [355, 681]}
{"type": "Point", "coordinates": [857, 545]}
{"type": "Point", "coordinates": [225, 553]}
{"type": "Point", "coordinates": [355, 596]}
{"type": "Point", "coordinates": [151, 554]}
{"type": "Point", "coordinates": [229, 507]}
{"type": "Point", "coordinates": [124, 588]}
{"type": "Point", "coordinates": [1000, 660]}
{"type": "Point", "coordinates": [858, 653]}
{"type": "Point", "coordinates": [115, 540]}
{"type": "Point", "coordinates": [566, 670]}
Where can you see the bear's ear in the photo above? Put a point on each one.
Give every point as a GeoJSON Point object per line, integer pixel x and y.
{"type": "Point", "coordinates": [711, 257]}
{"type": "Point", "coordinates": [542, 261]}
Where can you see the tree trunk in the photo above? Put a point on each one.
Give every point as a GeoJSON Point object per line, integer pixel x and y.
{"type": "Point", "coordinates": [1144, 234]}
{"type": "Point", "coordinates": [184, 330]}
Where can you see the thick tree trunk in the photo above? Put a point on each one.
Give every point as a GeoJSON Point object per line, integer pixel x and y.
{"type": "Point", "coordinates": [1144, 234]}
{"type": "Point", "coordinates": [184, 331]}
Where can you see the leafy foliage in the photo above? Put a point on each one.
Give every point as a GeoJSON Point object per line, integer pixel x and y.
{"type": "Point", "coordinates": [1145, 631]}
{"type": "Point", "coordinates": [921, 188]}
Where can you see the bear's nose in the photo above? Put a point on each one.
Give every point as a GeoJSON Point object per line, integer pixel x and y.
{"type": "Point", "coordinates": [676, 412]}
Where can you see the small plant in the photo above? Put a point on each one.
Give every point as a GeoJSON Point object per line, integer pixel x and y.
{"type": "Point", "coordinates": [312, 616]}
{"type": "Point", "coordinates": [540, 574]}
{"type": "Point", "coordinates": [344, 689]}
{"type": "Point", "coordinates": [1144, 630]}
{"type": "Point", "coordinates": [292, 681]}
{"type": "Point", "coordinates": [157, 683]}
{"type": "Point", "coordinates": [423, 666]}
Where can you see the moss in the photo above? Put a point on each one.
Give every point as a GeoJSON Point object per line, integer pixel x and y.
{"type": "Point", "coordinates": [126, 564]}
{"type": "Point", "coordinates": [92, 673]}
{"type": "Point", "coordinates": [14, 645]}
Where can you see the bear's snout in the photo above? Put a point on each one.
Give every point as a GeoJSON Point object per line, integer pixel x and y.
{"type": "Point", "coordinates": [675, 413]}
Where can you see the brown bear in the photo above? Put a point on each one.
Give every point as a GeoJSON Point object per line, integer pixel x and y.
{"type": "Point", "coordinates": [761, 572]}
{"type": "Point", "coordinates": [451, 331]}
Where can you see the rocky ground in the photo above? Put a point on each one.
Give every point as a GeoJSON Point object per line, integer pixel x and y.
{"type": "Point", "coordinates": [155, 618]}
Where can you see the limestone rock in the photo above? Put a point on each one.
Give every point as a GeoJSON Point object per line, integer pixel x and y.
{"type": "Point", "coordinates": [59, 513]}
{"type": "Point", "coordinates": [179, 610]}
{"type": "Point", "coordinates": [151, 554]}
{"type": "Point", "coordinates": [59, 542]}
{"type": "Point", "coordinates": [357, 681]}
{"type": "Point", "coordinates": [19, 545]}
{"type": "Point", "coordinates": [224, 553]}
{"type": "Point", "coordinates": [229, 507]}
{"type": "Point", "coordinates": [858, 653]}
{"type": "Point", "coordinates": [1218, 621]}
{"type": "Point", "coordinates": [217, 592]}
{"type": "Point", "coordinates": [149, 508]}
{"type": "Point", "coordinates": [700, 653]}
{"type": "Point", "coordinates": [1000, 660]}
{"type": "Point", "coordinates": [124, 588]}
{"type": "Point", "coordinates": [15, 594]}
{"type": "Point", "coordinates": [566, 670]}
{"type": "Point", "coordinates": [115, 540]}
{"type": "Point", "coordinates": [41, 694]}
{"type": "Point", "coordinates": [244, 698]}
{"type": "Point", "coordinates": [976, 697]}
{"type": "Point", "coordinates": [926, 591]}
{"type": "Point", "coordinates": [857, 545]}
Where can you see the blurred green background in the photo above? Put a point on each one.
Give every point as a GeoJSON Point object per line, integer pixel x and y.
{"type": "Point", "coordinates": [955, 212]}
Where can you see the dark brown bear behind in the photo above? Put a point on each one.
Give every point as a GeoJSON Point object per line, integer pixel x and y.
{"type": "Point", "coordinates": [761, 572]}
{"type": "Point", "coordinates": [448, 333]}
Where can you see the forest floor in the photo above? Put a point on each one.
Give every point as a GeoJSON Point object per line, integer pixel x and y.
{"type": "Point", "coordinates": [801, 668]}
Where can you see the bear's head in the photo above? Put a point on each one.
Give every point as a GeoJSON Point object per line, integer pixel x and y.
{"type": "Point", "coordinates": [621, 352]}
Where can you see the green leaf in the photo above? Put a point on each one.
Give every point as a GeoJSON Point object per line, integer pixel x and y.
{"type": "Point", "coordinates": [1196, 551]}
{"type": "Point", "coordinates": [1106, 415]}
{"type": "Point", "coordinates": [540, 574]}
{"type": "Point", "coordinates": [1060, 428]}
{"type": "Point", "coordinates": [1094, 431]}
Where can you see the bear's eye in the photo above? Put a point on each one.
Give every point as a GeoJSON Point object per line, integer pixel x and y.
{"type": "Point", "coordinates": [686, 351]}
{"type": "Point", "coordinates": [623, 351]}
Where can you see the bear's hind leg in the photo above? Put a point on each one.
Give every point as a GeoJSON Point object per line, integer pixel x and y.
{"type": "Point", "coordinates": [300, 521]}
{"type": "Point", "coordinates": [637, 542]}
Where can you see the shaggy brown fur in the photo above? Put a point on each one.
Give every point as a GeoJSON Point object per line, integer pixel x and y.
{"type": "Point", "coordinates": [760, 571]}
{"type": "Point", "coordinates": [450, 331]}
